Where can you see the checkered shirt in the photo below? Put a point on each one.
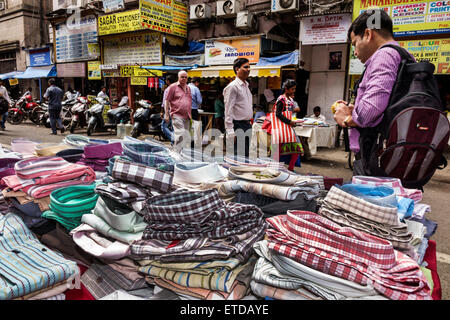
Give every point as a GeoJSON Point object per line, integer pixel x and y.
{"type": "Point", "coordinates": [347, 253]}
{"type": "Point", "coordinates": [153, 156]}
{"type": "Point", "coordinates": [142, 175]}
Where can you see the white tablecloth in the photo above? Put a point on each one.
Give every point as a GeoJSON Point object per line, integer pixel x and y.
{"type": "Point", "coordinates": [317, 136]}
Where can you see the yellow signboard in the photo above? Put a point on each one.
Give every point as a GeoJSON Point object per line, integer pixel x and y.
{"type": "Point", "coordinates": [94, 72]}
{"type": "Point", "coordinates": [166, 16]}
{"type": "Point", "coordinates": [13, 82]}
{"type": "Point", "coordinates": [136, 71]}
{"type": "Point", "coordinates": [119, 22]}
{"type": "Point", "coordinates": [436, 51]}
{"type": "Point", "coordinates": [138, 81]}
{"type": "Point", "coordinates": [411, 17]}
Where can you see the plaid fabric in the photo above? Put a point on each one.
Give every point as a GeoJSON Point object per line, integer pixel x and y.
{"type": "Point", "coordinates": [264, 290]}
{"type": "Point", "coordinates": [221, 280]}
{"type": "Point", "coordinates": [150, 155]}
{"type": "Point", "coordinates": [346, 209]}
{"type": "Point", "coordinates": [101, 280]}
{"type": "Point", "coordinates": [142, 175]}
{"type": "Point", "coordinates": [236, 160]}
{"type": "Point", "coordinates": [394, 183]}
{"type": "Point", "coordinates": [197, 249]}
{"type": "Point", "coordinates": [347, 253]}
{"type": "Point", "coordinates": [203, 267]}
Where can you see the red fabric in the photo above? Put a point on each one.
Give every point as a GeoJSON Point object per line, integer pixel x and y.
{"type": "Point", "coordinates": [430, 259]}
{"type": "Point", "coordinates": [79, 294]}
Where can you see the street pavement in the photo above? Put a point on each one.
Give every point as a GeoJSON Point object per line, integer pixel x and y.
{"type": "Point", "coordinates": [327, 162]}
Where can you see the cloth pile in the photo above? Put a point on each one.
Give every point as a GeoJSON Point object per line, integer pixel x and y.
{"type": "Point", "coordinates": [97, 156]}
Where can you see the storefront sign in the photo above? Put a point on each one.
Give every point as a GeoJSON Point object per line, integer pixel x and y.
{"type": "Point", "coordinates": [138, 81]}
{"type": "Point", "coordinates": [40, 57]}
{"type": "Point", "coordinates": [119, 22]}
{"type": "Point", "coordinates": [411, 17]}
{"type": "Point", "coordinates": [71, 42]}
{"type": "Point", "coordinates": [109, 66]}
{"type": "Point", "coordinates": [137, 71]}
{"type": "Point", "coordinates": [94, 72]}
{"type": "Point", "coordinates": [112, 5]}
{"type": "Point", "coordinates": [13, 82]}
{"type": "Point", "coordinates": [325, 29]}
{"type": "Point", "coordinates": [70, 70]}
{"type": "Point", "coordinates": [110, 73]}
{"type": "Point", "coordinates": [222, 52]}
{"type": "Point", "coordinates": [94, 50]}
{"type": "Point", "coordinates": [166, 16]}
{"type": "Point", "coordinates": [436, 51]}
{"type": "Point", "coordinates": [133, 49]}
{"type": "Point", "coordinates": [189, 60]}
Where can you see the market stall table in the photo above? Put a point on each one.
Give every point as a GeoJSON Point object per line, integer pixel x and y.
{"type": "Point", "coordinates": [317, 136]}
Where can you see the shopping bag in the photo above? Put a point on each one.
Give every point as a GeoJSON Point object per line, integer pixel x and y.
{"type": "Point", "coordinates": [282, 132]}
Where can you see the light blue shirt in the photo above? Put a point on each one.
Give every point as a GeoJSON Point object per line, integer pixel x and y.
{"type": "Point", "coordinates": [196, 96]}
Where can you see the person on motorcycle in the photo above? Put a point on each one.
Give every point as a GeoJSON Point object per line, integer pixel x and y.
{"type": "Point", "coordinates": [4, 95]}
{"type": "Point", "coordinates": [69, 93]}
{"type": "Point", "coordinates": [54, 96]}
{"type": "Point", "coordinates": [124, 101]}
{"type": "Point", "coordinates": [102, 93]}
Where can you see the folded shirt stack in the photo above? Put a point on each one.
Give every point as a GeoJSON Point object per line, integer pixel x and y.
{"type": "Point", "coordinates": [195, 240]}
{"type": "Point", "coordinates": [151, 155]}
{"type": "Point", "coordinates": [97, 156]}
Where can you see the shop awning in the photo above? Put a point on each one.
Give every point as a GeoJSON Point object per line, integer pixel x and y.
{"type": "Point", "coordinates": [38, 72]}
{"type": "Point", "coordinates": [10, 75]}
{"type": "Point", "coordinates": [281, 60]}
{"type": "Point", "coordinates": [227, 71]}
{"type": "Point", "coordinates": [169, 68]}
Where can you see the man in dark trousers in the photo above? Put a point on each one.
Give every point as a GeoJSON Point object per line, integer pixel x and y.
{"type": "Point", "coordinates": [54, 95]}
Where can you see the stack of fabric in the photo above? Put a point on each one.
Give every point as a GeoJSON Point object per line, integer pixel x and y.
{"type": "Point", "coordinates": [199, 246]}
{"type": "Point", "coordinates": [28, 269]}
{"type": "Point", "coordinates": [309, 256]}
{"type": "Point", "coordinates": [97, 156]}
{"type": "Point", "coordinates": [151, 155]}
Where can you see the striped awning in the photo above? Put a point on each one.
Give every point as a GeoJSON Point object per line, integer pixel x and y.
{"type": "Point", "coordinates": [227, 71]}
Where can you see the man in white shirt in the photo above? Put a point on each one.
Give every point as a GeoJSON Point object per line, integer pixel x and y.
{"type": "Point", "coordinates": [5, 95]}
{"type": "Point", "coordinates": [238, 103]}
{"type": "Point", "coordinates": [317, 115]}
{"type": "Point", "coordinates": [102, 93]}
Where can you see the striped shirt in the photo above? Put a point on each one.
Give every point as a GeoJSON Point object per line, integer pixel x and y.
{"type": "Point", "coordinates": [374, 91]}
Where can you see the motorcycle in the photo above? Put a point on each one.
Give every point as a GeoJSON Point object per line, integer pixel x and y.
{"type": "Point", "coordinates": [142, 117]}
{"type": "Point", "coordinates": [44, 118]}
{"type": "Point", "coordinates": [114, 116]}
{"type": "Point", "coordinates": [22, 109]}
{"type": "Point", "coordinates": [79, 114]}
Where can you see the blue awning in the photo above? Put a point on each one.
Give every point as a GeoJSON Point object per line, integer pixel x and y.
{"type": "Point", "coordinates": [9, 75]}
{"type": "Point", "coordinates": [282, 60]}
{"type": "Point", "coordinates": [38, 72]}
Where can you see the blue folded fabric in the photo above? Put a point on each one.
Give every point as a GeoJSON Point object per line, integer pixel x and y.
{"type": "Point", "coordinates": [379, 195]}
{"type": "Point", "coordinates": [405, 207]}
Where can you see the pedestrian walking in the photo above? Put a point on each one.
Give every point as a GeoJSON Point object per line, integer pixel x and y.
{"type": "Point", "coordinates": [54, 95]}
{"type": "Point", "coordinates": [238, 104]}
{"type": "Point", "coordinates": [196, 97]}
{"type": "Point", "coordinates": [167, 128]}
{"type": "Point", "coordinates": [178, 105]}
{"type": "Point", "coordinates": [5, 102]}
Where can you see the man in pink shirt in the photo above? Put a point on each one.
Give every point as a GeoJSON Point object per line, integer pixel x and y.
{"type": "Point", "coordinates": [178, 104]}
{"type": "Point", "coordinates": [368, 34]}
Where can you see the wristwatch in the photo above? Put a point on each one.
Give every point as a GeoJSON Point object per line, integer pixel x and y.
{"type": "Point", "coordinates": [345, 121]}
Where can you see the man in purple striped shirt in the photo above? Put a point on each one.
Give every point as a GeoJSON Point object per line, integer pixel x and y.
{"type": "Point", "coordinates": [368, 33]}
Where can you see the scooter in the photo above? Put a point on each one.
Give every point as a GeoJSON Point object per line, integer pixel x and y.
{"type": "Point", "coordinates": [44, 118]}
{"type": "Point", "coordinates": [142, 117]}
{"type": "Point", "coordinates": [79, 114]}
{"type": "Point", "coordinates": [22, 109]}
{"type": "Point", "coordinates": [114, 116]}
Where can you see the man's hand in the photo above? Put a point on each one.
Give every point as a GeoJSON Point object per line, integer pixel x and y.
{"type": "Point", "coordinates": [167, 118]}
{"type": "Point", "coordinates": [342, 112]}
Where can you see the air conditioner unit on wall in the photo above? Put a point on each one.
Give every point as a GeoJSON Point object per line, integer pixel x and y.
{"type": "Point", "coordinates": [2, 5]}
{"type": "Point", "coordinates": [199, 11]}
{"type": "Point", "coordinates": [246, 20]}
{"type": "Point", "coordinates": [227, 8]}
{"type": "Point", "coordinates": [283, 5]}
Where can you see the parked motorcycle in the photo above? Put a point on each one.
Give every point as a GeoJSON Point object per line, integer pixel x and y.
{"type": "Point", "coordinates": [22, 109]}
{"type": "Point", "coordinates": [114, 116]}
{"type": "Point", "coordinates": [142, 117]}
{"type": "Point", "coordinates": [66, 116]}
{"type": "Point", "coordinates": [79, 114]}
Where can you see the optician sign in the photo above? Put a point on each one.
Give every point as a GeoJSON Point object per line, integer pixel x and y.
{"type": "Point", "coordinates": [411, 17]}
{"type": "Point", "coordinates": [223, 52]}
{"type": "Point", "coordinates": [325, 29]}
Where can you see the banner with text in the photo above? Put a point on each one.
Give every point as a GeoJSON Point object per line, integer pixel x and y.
{"type": "Point", "coordinates": [94, 72]}
{"type": "Point", "coordinates": [223, 52]}
{"type": "Point", "coordinates": [166, 16]}
{"type": "Point", "coordinates": [411, 17]}
{"type": "Point", "coordinates": [119, 23]}
{"type": "Point", "coordinates": [325, 29]}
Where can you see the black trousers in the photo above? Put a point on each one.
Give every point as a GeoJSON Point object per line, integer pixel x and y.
{"type": "Point", "coordinates": [195, 115]}
{"type": "Point", "coordinates": [244, 125]}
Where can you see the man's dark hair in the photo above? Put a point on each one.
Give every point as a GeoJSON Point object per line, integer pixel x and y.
{"type": "Point", "coordinates": [171, 78]}
{"type": "Point", "coordinates": [238, 63]}
{"type": "Point", "coordinates": [30, 89]}
{"type": "Point", "coordinates": [195, 79]}
{"type": "Point", "coordinates": [51, 81]}
{"type": "Point", "coordinates": [103, 87]}
{"type": "Point", "coordinates": [316, 108]}
{"type": "Point", "coordinates": [383, 26]}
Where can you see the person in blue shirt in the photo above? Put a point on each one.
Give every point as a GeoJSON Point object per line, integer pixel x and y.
{"type": "Point", "coordinates": [259, 112]}
{"type": "Point", "coordinates": [196, 97]}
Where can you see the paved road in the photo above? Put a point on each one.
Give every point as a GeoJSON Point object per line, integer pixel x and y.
{"type": "Point", "coordinates": [328, 162]}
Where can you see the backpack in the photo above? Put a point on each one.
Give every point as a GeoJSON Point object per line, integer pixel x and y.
{"type": "Point", "coordinates": [409, 141]}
